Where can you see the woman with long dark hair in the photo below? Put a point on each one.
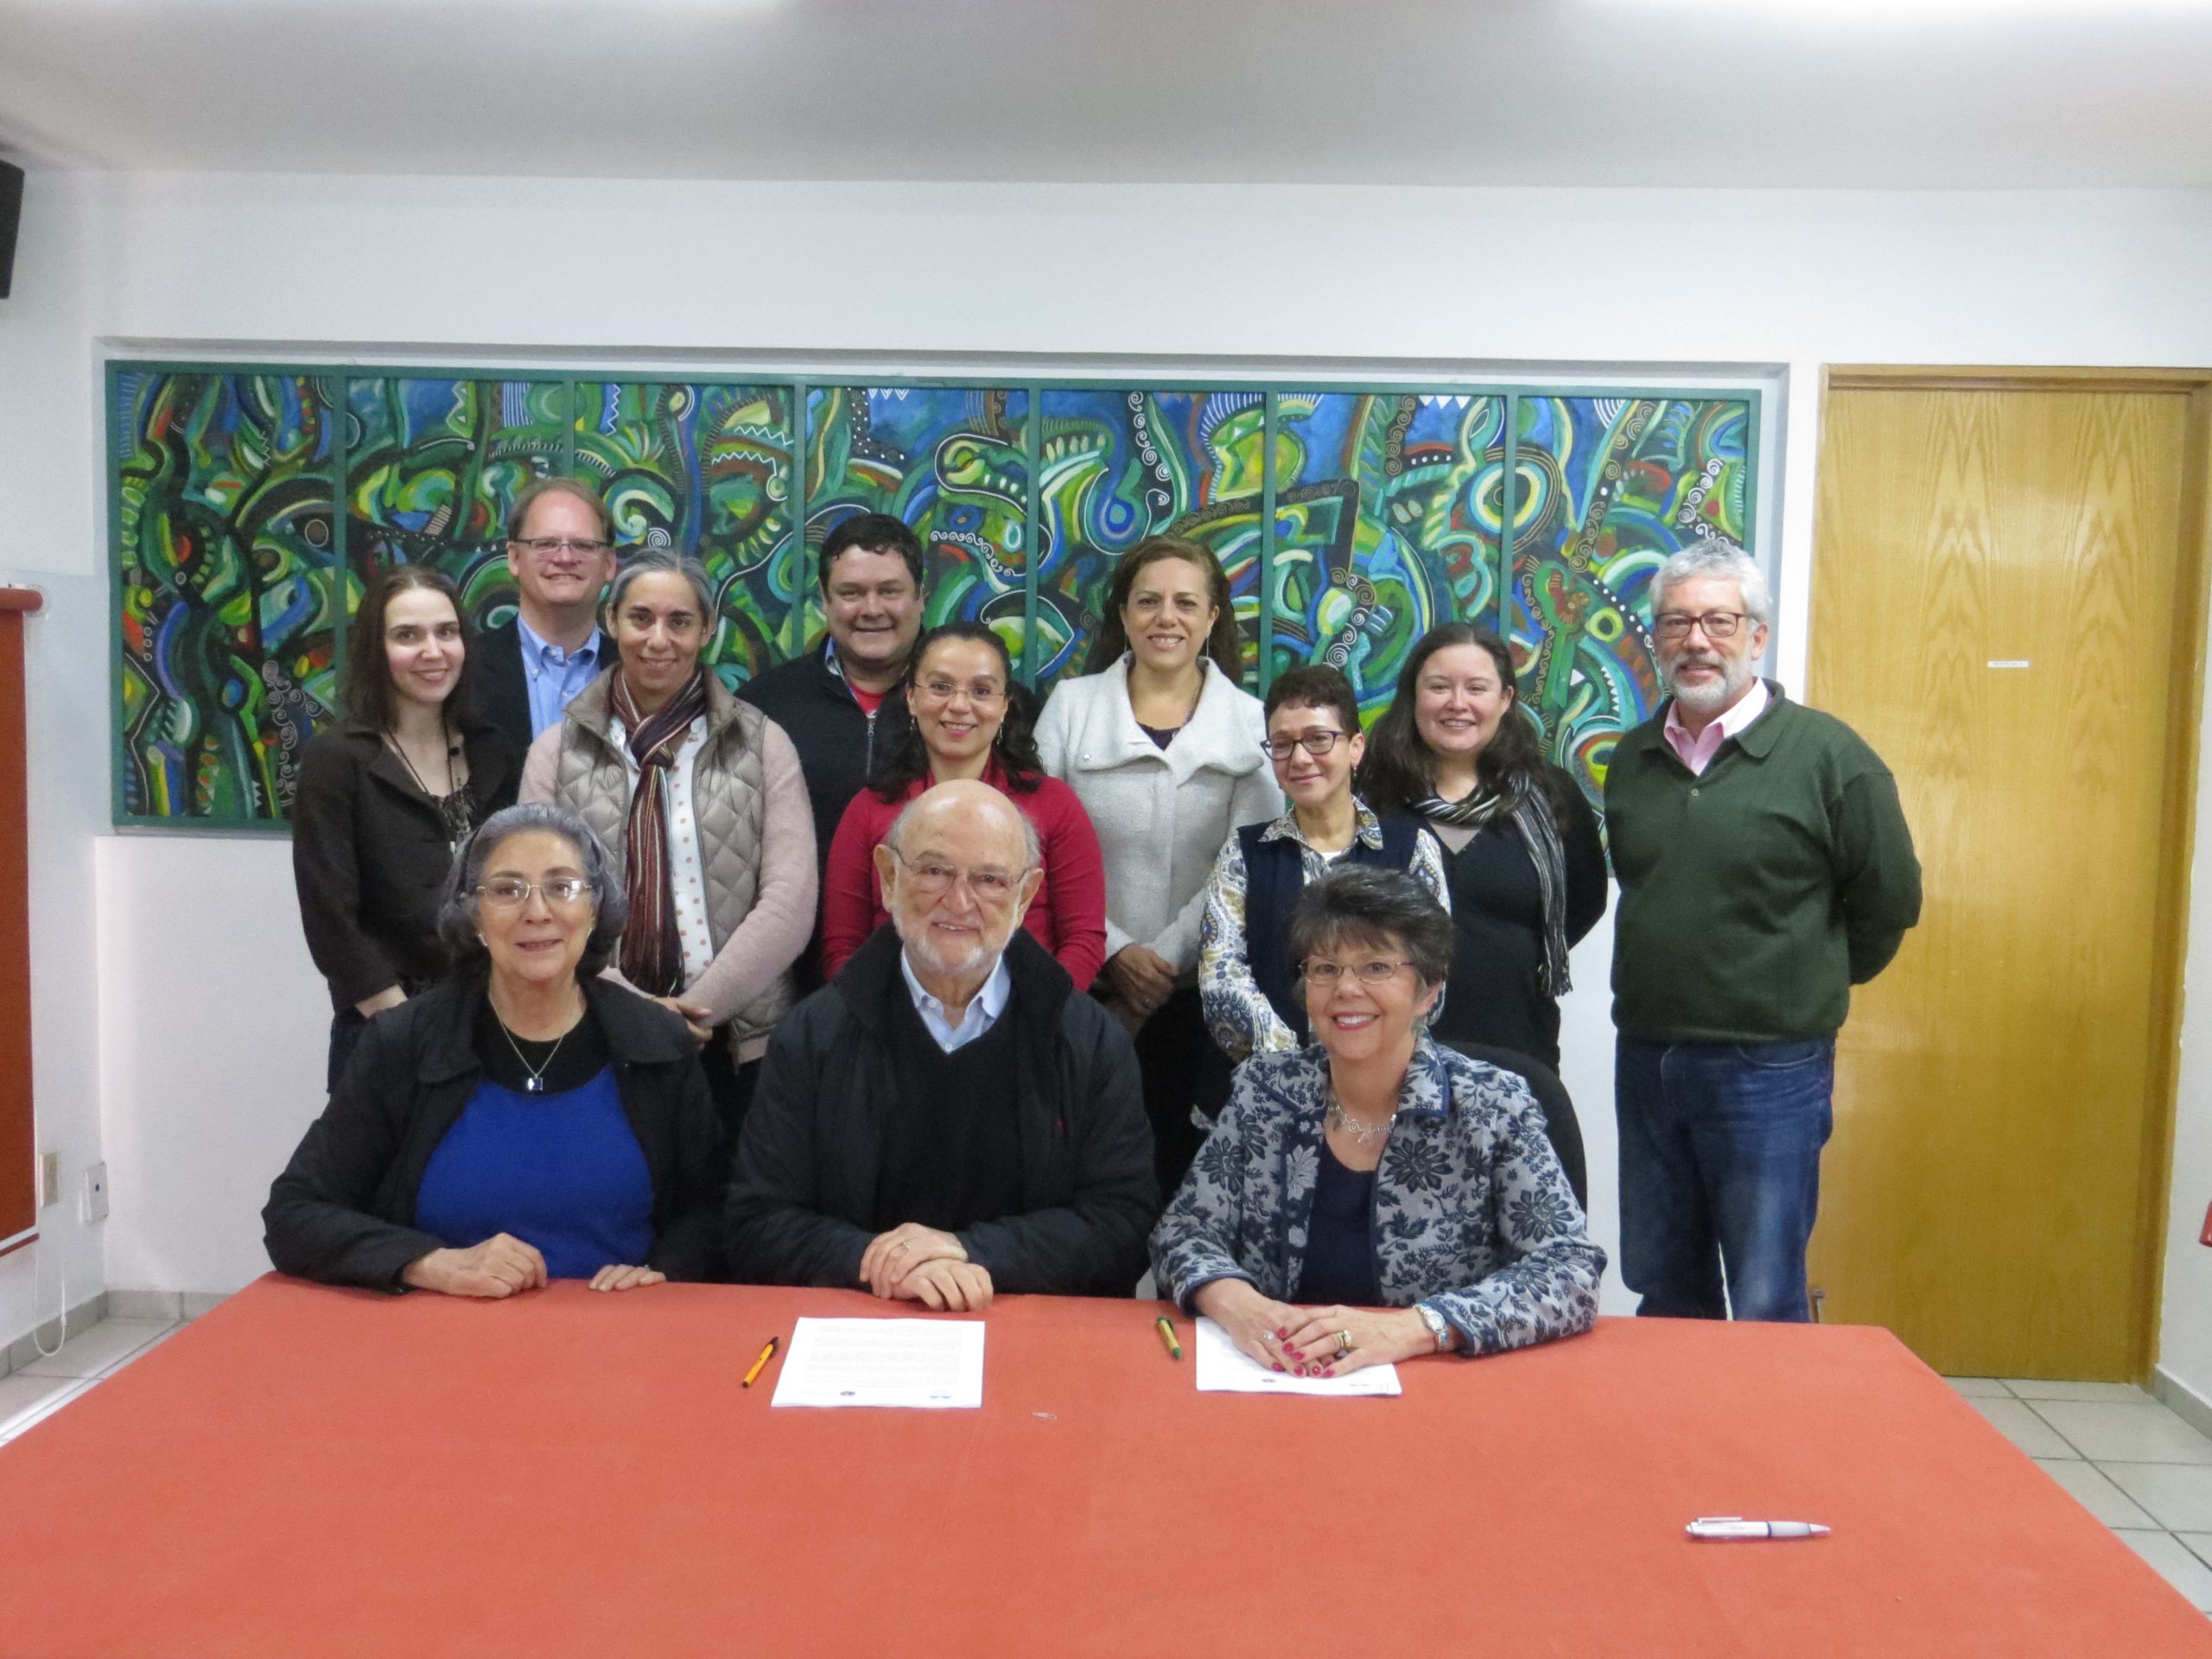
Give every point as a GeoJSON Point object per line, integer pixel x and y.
{"type": "Point", "coordinates": [1527, 868]}
{"type": "Point", "coordinates": [386, 796]}
{"type": "Point", "coordinates": [970, 720]}
{"type": "Point", "coordinates": [1166, 751]}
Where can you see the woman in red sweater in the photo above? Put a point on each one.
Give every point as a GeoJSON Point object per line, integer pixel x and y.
{"type": "Point", "coordinates": [971, 721]}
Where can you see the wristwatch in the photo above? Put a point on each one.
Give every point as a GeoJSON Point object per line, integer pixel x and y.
{"type": "Point", "coordinates": [1446, 1337]}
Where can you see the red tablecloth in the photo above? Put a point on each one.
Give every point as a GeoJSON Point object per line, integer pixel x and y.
{"type": "Point", "coordinates": [312, 1471]}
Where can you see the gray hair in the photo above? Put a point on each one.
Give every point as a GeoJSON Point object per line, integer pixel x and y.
{"type": "Point", "coordinates": [652, 562]}
{"type": "Point", "coordinates": [1033, 850]}
{"type": "Point", "coordinates": [1719, 557]}
{"type": "Point", "coordinates": [1361, 904]}
{"type": "Point", "coordinates": [457, 899]}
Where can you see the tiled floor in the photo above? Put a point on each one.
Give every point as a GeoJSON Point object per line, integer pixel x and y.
{"type": "Point", "coordinates": [43, 1387]}
{"type": "Point", "coordinates": [2129, 1461]}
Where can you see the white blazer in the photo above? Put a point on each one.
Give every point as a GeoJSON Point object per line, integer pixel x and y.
{"type": "Point", "coordinates": [1161, 814]}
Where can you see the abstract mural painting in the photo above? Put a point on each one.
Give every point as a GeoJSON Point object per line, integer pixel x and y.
{"type": "Point", "coordinates": [251, 503]}
{"type": "Point", "coordinates": [432, 465]}
{"type": "Point", "coordinates": [224, 510]}
{"type": "Point", "coordinates": [705, 469]}
{"type": "Point", "coordinates": [1387, 509]}
{"type": "Point", "coordinates": [1604, 489]}
{"type": "Point", "coordinates": [950, 461]}
{"type": "Point", "coordinates": [1120, 464]}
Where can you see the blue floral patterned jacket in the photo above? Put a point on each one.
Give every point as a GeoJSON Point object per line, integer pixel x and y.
{"type": "Point", "coordinates": [1472, 1213]}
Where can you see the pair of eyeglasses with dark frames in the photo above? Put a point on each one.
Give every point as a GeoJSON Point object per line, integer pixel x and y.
{"type": "Point", "coordinates": [1718, 625]}
{"type": "Point", "coordinates": [1317, 743]}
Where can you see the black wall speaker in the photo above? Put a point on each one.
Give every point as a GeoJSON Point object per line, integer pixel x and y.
{"type": "Point", "coordinates": [11, 209]}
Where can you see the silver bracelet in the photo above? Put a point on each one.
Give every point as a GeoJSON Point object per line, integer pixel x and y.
{"type": "Point", "coordinates": [1436, 1327]}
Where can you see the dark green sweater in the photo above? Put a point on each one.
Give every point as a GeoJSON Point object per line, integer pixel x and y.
{"type": "Point", "coordinates": [1755, 896]}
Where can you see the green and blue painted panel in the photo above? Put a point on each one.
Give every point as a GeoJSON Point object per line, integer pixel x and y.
{"type": "Point", "coordinates": [227, 607]}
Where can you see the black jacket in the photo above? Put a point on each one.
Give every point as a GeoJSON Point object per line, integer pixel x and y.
{"type": "Point", "coordinates": [343, 1211]}
{"type": "Point", "coordinates": [501, 686]}
{"type": "Point", "coordinates": [369, 856]}
{"type": "Point", "coordinates": [838, 744]}
{"type": "Point", "coordinates": [811, 1153]}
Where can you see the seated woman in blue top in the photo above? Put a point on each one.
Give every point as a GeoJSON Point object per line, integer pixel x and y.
{"type": "Point", "coordinates": [525, 1119]}
{"type": "Point", "coordinates": [1374, 1197]}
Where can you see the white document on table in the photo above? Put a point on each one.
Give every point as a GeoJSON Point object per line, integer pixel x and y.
{"type": "Point", "coordinates": [929, 1363]}
{"type": "Point", "coordinates": [1223, 1367]}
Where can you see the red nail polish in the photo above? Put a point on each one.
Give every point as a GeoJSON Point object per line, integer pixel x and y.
{"type": "Point", "coordinates": [1278, 1368]}
{"type": "Point", "coordinates": [1328, 1371]}
{"type": "Point", "coordinates": [1282, 1331]}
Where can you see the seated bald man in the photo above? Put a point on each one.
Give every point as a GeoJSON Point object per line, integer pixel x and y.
{"type": "Point", "coordinates": [949, 1119]}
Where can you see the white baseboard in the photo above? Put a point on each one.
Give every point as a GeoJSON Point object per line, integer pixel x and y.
{"type": "Point", "coordinates": [2183, 1400]}
{"type": "Point", "coordinates": [42, 1339]}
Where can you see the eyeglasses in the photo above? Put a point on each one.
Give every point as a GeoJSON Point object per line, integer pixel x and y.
{"type": "Point", "coordinates": [1718, 625]}
{"type": "Point", "coordinates": [1316, 742]}
{"type": "Point", "coordinates": [1319, 970]}
{"type": "Point", "coordinates": [513, 893]}
{"type": "Point", "coordinates": [543, 545]}
{"type": "Point", "coordinates": [945, 690]}
{"type": "Point", "coordinates": [933, 881]}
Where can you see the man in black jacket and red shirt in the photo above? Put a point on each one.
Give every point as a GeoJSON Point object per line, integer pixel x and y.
{"type": "Point", "coordinates": [949, 1120]}
{"type": "Point", "coordinates": [840, 701]}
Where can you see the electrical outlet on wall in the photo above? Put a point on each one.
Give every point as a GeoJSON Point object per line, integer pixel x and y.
{"type": "Point", "coordinates": [95, 1201]}
{"type": "Point", "coordinates": [49, 1180]}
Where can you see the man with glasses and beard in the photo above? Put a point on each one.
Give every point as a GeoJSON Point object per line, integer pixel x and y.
{"type": "Point", "coordinates": [1765, 868]}
{"type": "Point", "coordinates": [561, 553]}
{"type": "Point", "coordinates": [948, 1120]}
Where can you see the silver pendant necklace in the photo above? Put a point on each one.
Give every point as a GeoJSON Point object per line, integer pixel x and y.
{"type": "Point", "coordinates": [535, 1082]}
{"type": "Point", "coordinates": [1338, 1118]}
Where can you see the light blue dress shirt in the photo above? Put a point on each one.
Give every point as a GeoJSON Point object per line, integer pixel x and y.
{"type": "Point", "coordinates": [983, 1010]}
{"type": "Point", "coordinates": [555, 676]}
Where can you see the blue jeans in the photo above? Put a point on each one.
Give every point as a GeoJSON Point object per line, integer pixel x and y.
{"type": "Point", "coordinates": [1721, 1173]}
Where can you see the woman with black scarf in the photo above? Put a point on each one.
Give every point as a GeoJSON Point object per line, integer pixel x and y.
{"type": "Point", "coordinates": [1521, 844]}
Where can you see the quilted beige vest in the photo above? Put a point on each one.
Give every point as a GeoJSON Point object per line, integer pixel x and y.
{"type": "Point", "coordinates": [728, 799]}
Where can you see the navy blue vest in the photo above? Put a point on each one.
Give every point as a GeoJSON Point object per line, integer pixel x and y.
{"type": "Point", "coordinates": [1274, 874]}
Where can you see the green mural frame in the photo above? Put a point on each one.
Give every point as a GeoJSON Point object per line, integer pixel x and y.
{"type": "Point", "coordinates": [342, 377]}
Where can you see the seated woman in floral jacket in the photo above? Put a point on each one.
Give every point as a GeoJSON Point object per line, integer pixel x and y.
{"type": "Point", "coordinates": [1374, 1197]}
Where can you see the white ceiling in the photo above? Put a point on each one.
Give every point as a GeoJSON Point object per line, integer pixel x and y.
{"type": "Point", "coordinates": [1693, 92]}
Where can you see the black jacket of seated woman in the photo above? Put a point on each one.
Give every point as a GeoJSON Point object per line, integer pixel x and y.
{"type": "Point", "coordinates": [523, 1120]}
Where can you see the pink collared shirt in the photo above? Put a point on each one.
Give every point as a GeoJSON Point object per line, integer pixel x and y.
{"type": "Point", "coordinates": [1696, 752]}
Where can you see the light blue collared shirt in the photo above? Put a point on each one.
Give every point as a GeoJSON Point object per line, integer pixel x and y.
{"type": "Point", "coordinates": [555, 676]}
{"type": "Point", "coordinates": [983, 1008]}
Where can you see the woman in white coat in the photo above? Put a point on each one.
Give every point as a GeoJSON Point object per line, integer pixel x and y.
{"type": "Point", "coordinates": [1168, 755]}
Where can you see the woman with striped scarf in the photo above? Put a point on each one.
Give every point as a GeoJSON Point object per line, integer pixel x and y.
{"type": "Point", "coordinates": [700, 800]}
{"type": "Point", "coordinates": [1521, 846]}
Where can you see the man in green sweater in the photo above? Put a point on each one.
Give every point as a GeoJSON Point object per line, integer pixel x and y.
{"type": "Point", "coordinates": [1765, 868]}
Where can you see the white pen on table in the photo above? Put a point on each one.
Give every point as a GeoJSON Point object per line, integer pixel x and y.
{"type": "Point", "coordinates": [1734, 1526]}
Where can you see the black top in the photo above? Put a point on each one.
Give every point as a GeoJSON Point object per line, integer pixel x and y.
{"type": "Point", "coordinates": [343, 1212]}
{"type": "Point", "coordinates": [1274, 874]}
{"type": "Point", "coordinates": [952, 1143]}
{"type": "Point", "coordinates": [1161, 736]}
{"type": "Point", "coordinates": [569, 1061]}
{"type": "Point", "coordinates": [500, 683]}
{"type": "Point", "coordinates": [809, 1171]}
{"type": "Point", "coordinates": [838, 742]}
{"type": "Point", "coordinates": [369, 852]}
{"type": "Point", "coordinates": [1339, 1264]}
{"type": "Point", "coordinates": [1496, 993]}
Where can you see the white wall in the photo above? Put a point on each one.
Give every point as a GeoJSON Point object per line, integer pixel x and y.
{"type": "Point", "coordinates": [49, 496]}
{"type": "Point", "coordinates": [1419, 280]}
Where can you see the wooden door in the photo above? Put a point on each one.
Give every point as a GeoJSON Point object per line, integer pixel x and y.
{"type": "Point", "coordinates": [2007, 605]}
